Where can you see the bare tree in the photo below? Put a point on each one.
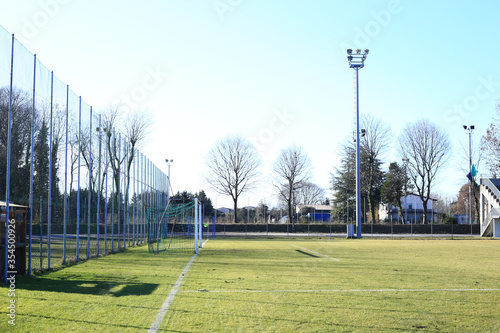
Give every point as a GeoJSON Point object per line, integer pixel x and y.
{"type": "Point", "coordinates": [234, 166]}
{"type": "Point", "coordinates": [426, 148]}
{"type": "Point", "coordinates": [462, 202]}
{"type": "Point", "coordinates": [373, 146]}
{"type": "Point", "coordinates": [490, 145]}
{"type": "Point", "coordinates": [310, 194]}
{"type": "Point", "coordinates": [292, 168]}
{"type": "Point", "coordinates": [135, 128]}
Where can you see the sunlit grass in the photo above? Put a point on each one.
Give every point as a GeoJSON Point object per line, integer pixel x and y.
{"type": "Point", "coordinates": [377, 285]}
{"type": "Point", "coordinates": [316, 285]}
{"type": "Point", "coordinates": [117, 293]}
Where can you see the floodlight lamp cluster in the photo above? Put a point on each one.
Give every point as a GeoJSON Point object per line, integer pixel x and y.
{"type": "Point", "coordinates": [356, 58]}
{"type": "Point", "coordinates": [469, 128]}
{"type": "Point", "coordinates": [169, 161]}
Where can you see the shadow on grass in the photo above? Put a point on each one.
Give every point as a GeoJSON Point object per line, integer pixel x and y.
{"type": "Point", "coordinates": [308, 254]}
{"type": "Point", "coordinates": [114, 288]}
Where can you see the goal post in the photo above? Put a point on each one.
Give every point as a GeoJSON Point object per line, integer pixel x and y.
{"type": "Point", "coordinates": [176, 226]}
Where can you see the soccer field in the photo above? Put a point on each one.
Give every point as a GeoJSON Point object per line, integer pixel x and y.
{"type": "Point", "coordinates": [314, 285]}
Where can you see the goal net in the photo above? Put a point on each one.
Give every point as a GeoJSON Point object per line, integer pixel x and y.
{"type": "Point", "coordinates": [172, 228]}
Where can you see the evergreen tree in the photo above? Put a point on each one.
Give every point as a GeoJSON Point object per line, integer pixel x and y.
{"type": "Point", "coordinates": [395, 187]}
{"type": "Point", "coordinates": [41, 165]}
{"type": "Point", "coordinates": [344, 184]}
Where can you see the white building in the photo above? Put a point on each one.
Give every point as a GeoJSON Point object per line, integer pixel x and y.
{"type": "Point", "coordinates": [413, 209]}
{"type": "Point", "coordinates": [490, 207]}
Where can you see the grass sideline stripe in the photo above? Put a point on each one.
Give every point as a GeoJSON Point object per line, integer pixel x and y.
{"type": "Point", "coordinates": [164, 308]}
{"type": "Point", "coordinates": [340, 290]}
{"type": "Point", "coordinates": [317, 253]}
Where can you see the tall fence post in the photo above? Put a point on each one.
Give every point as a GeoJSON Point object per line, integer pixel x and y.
{"type": "Point", "coordinates": [99, 129]}
{"type": "Point", "coordinates": [89, 203]}
{"type": "Point", "coordinates": [7, 183]}
{"type": "Point", "coordinates": [66, 178]}
{"type": "Point", "coordinates": [106, 203]}
{"type": "Point", "coordinates": [49, 231]}
{"type": "Point", "coordinates": [78, 207]}
{"type": "Point", "coordinates": [196, 225]}
{"type": "Point", "coordinates": [200, 217]}
{"type": "Point", "coordinates": [32, 167]}
{"type": "Point", "coordinates": [118, 189]}
{"type": "Point", "coordinates": [41, 233]}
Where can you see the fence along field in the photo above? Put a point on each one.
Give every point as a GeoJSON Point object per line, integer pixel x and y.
{"type": "Point", "coordinates": [276, 285]}
{"type": "Point", "coordinates": [86, 187]}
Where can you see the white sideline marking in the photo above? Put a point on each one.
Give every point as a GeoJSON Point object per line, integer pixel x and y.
{"type": "Point", "coordinates": [163, 310]}
{"type": "Point", "coordinates": [323, 255]}
{"type": "Point", "coordinates": [338, 290]}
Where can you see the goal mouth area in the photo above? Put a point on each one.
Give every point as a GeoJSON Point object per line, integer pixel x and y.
{"type": "Point", "coordinates": [171, 227]}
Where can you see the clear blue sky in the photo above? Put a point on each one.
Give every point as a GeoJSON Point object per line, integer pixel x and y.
{"type": "Point", "coordinates": [274, 71]}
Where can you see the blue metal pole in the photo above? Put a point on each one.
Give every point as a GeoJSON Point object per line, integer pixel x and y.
{"type": "Point", "coordinates": [113, 210]}
{"type": "Point", "coordinates": [358, 180]}
{"type": "Point", "coordinates": [41, 232]}
{"type": "Point", "coordinates": [196, 225]}
{"type": "Point", "coordinates": [7, 184]}
{"type": "Point", "coordinates": [134, 221]}
{"type": "Point", "coordinates": [49, 231]}
{"type": "Point", "coordinates": [89, 204]}
{"type": "Point", "coordinates": [119, 185]}
{"type": "Point", "coordinates": [143, 200]}
{"type": "Point", "coordinates": [106, 204]}
{"type": "Point", "coordinates": [66, 178]}
{"type": "Point", "coordinates": [200, 217]}
{"type": "Point", "coordinates": [31, 167]}
{"type": "Point", "coordinates": [99, 186]}
{"type": "Point", "coordinates": [127, 182]}
{"type": "Point", "coordinates": [78, 194]}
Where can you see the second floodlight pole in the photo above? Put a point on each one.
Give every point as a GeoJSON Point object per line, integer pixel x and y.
{"type": "Point", "coordinates": [356, 61]}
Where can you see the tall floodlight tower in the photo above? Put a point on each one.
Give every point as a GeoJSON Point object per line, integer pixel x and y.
{"type": "Point", "coordinates": [357, 61]}
{"type": "Point", "coordinates": [469, 130]}
{"type": "Point", "coordinates": [169, 163]}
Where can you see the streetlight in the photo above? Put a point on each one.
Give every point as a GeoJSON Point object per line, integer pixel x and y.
{"type": "Point", "coordinates": [356, 60]}
{"type": "Point", "coordinates": [469, 130]}
{"type": "Point", "coordinates": [169, 163]}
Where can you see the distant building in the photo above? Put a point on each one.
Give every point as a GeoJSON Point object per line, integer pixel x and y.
{"type": "Point", "coordinates": [489, 216]}
{"type": "Point", "coordinates": [461, 218]}
{"type": "Point", "coordinates": [413, 206]}
{"type": "Point", "coordinates": [316, 213]}
{"type": "Point", "coordinates": [224, 210]}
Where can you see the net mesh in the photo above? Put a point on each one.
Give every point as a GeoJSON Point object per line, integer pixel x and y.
{"type": "Point", "coordinates": [171, 228]}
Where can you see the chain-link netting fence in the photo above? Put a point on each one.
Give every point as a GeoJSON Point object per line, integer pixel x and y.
{"type": "Point", "coordinates": [84, 185]}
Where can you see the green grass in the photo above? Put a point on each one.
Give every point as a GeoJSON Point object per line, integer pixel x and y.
{"type": "Point", "coordinates": [285, 285]}
{"type": "Point", "coordinates": [117, 293]}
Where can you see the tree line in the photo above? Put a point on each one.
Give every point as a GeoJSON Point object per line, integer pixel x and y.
{"type": "Point", "coordinates": [48, 129]}
{"type": "Point", "coordinates": [423, 149]}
